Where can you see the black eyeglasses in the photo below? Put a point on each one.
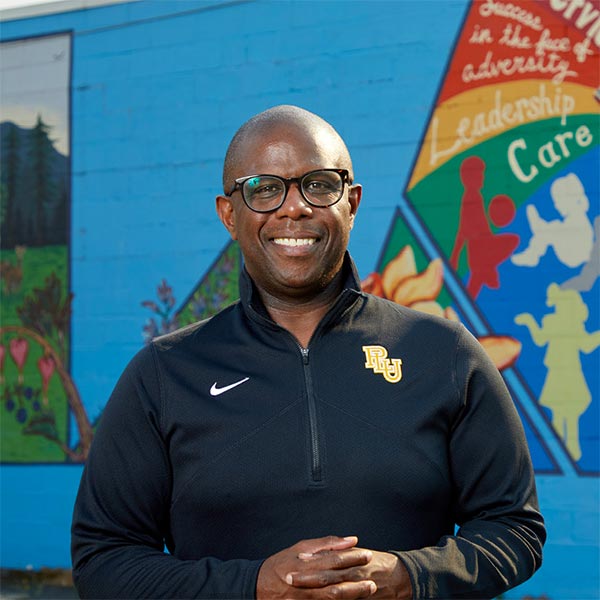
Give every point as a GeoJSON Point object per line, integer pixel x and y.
{"type": "Point", "coordinates": [266, 193]}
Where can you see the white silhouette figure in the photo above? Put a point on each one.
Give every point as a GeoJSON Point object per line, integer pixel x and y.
{"type": "Point", "coordinates": [590, 272]}
{"type": "Point", "coordinates": [572, 237]}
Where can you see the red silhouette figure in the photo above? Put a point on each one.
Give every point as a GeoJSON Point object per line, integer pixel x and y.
{"type": "Point", "coordinates": [485, 250]}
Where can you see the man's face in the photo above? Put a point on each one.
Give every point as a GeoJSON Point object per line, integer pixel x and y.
{"type": "Point", "coordinates": [295, 251]}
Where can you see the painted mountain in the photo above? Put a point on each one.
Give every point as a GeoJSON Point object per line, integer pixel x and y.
{"type": "Point", "coordinates": [34, 187]}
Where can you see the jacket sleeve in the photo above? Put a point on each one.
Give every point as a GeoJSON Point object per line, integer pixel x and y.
{"type": "Point", "coordinates": [121, 514]}
{"type": "Point", "coordinates": [501, 532]}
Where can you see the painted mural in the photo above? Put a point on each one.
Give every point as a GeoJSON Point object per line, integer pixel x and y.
{"type": "Point", "coordinates": [502, 210]}
{"type": "Point", "coordinates": [215, 290]}
{"type": "Point", "coordinates": [504, 191]}
{"type": "Point", "coordinates": [498, 225]}
{"type": "Point", "coordinates": [38, 395]}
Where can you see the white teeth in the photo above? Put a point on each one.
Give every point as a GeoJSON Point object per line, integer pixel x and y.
{"type": "Point", "coordinates": [295, 241]}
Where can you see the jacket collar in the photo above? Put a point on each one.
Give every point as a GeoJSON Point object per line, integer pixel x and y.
{"type": "Point", "coordinates": [250, 297]}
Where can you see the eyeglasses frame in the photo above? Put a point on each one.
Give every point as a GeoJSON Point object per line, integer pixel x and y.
{"type": "Point", "coordinates": [287, 181]}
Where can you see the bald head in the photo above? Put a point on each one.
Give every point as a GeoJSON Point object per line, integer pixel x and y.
{"type": "Point", "coordinates": [282, 118]}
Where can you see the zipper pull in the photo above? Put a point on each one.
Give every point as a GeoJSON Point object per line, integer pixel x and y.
{"type": "Point", "coordinates": [304, 352]}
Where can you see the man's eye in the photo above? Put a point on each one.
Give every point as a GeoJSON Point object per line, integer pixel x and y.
{"type": "Point", "coordinates": [320, 187]}
{"type": "Point", "coordinates": [266, 190]}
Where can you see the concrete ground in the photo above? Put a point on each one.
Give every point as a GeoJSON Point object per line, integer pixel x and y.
{"type": "Point", "coordinates": [46, 584]}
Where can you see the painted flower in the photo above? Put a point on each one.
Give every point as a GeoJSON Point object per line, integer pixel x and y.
{"type": "Point", "coordinates": [151, 305]}
{"type": "Point", "coordinates": [168, 325]}
{"type": "Point", "coordinates": [401, 283]}
{"type": "Point", "coordinates": [150, 330]}
{"type": "Point", "coordinates": [46, 368]}
{"type": "Point", "coordinates": [165, 293]}
{"type": "Point", "coordinates": [19, 348]}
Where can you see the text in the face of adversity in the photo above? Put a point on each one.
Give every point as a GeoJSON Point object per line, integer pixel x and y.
{"type": "Point", "coordinates": [521, 66]}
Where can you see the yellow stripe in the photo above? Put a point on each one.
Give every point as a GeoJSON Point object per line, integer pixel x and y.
{"type": "Point", "coordinates": [472, 117]}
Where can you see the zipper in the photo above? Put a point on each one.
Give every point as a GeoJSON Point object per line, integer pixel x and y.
{"type": "Point", "coordinates": [315, 447]}
{"type": "Point", "coordinates": [342, 303]}
{"type": "Point", "coordinates": [316, 474]}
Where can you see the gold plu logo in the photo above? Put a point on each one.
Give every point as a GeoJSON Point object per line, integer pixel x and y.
{"type": "Point", "coordinates": [377, 359]}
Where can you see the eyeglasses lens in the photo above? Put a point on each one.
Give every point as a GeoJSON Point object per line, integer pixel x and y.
{"type": "Point", "coordinates": [323, 187]}
{"type": "Point", "coordinates": [263, 193]}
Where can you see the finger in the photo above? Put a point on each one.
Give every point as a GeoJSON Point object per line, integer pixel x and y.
{"type": "Point", "coordinates": [339, 559]}
{"type": "Point", "coordinates": [324, 577]}
{"type": "Point", "coordinates": [307, 548]}
{"type": "Point", "coordinates": [349, 590]}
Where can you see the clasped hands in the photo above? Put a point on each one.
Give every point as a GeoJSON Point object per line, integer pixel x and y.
{"type": "Point", "coordinates": [332, 567]}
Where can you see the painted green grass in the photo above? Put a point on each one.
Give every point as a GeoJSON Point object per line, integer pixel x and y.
{"type": "Point", "coordinates": [25, 415]}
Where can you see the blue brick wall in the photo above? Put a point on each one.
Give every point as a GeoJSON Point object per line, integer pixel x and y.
{"type": "Point", "coordinates": [158, 89]}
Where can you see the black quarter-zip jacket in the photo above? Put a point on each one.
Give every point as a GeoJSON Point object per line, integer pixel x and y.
{"type": "Point", "coordinates": [227, 442]}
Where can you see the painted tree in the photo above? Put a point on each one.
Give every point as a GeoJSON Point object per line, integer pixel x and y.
{"type": "Point", "coordinates": [40, 155]}
{"type": "Point", "coordinates": [11, 165]}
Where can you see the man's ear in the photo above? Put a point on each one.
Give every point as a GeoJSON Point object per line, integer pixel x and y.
{"type": "Point", "coordinates": [226, 214]}
{"type": "Point", "coordinates": [354, 196]}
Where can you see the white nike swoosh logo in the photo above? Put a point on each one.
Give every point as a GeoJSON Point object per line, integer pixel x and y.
{"type": "Point", "coordinates": [215, 391]}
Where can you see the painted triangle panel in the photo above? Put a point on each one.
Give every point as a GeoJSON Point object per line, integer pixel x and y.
{"type": "Point", "coordinates": [503, 198]}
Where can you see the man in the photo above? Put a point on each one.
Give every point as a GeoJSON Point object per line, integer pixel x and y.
{"type": "Point", "coordinates": [309, 441]}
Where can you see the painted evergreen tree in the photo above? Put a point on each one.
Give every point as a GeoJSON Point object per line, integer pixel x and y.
{"type": "Point", "coordinates": [11, 166]}
{"type": "Point", "coordinates": [40, 152]}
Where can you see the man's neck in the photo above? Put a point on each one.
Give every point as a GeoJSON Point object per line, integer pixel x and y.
{"type": "Point", "coordinates": [302, 316]}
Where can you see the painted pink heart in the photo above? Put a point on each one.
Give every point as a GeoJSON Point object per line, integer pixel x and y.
{"type": "Point", "coordinates": [18, 350]}
{"type": "Point", "coordinates": [46, 367]}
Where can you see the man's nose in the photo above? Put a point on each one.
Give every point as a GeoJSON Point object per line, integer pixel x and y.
{"type": "Point", "coordinates": [294, 205]}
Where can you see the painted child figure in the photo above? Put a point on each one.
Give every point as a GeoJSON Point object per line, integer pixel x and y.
{"type": "Point", "coordinates": [572, 237]}
{"type": "Point", "coordinates": [565, 392]}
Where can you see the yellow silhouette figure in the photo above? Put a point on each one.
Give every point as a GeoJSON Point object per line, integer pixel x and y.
{"type": "Point", "coordinates": [565, 390]}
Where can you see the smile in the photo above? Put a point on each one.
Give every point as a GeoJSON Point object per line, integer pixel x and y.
{"type": "Point", "coordinates": [294, 241]}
